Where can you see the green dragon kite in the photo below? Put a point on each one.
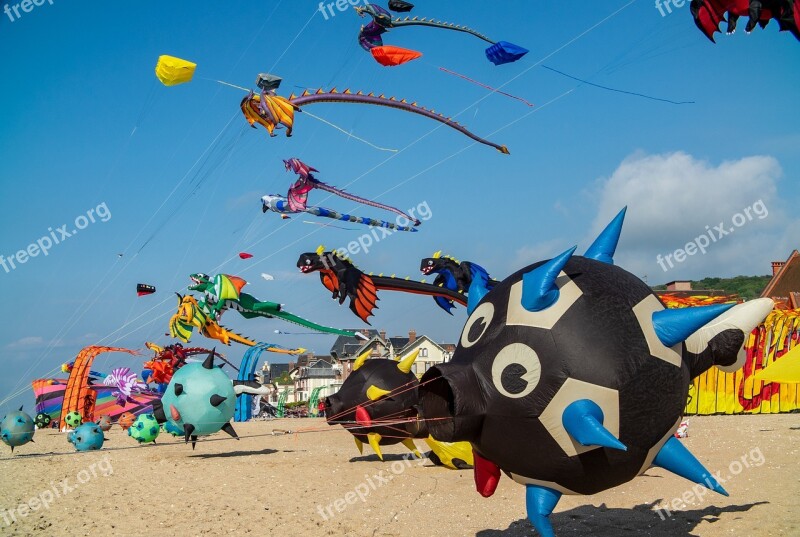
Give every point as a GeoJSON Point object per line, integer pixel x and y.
{"type": "Point", "coordinates": [224, 292]}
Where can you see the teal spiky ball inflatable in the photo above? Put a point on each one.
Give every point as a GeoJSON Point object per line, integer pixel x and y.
{"type": "Point", "coordinates": [16, 429]}
{"type": "Point", "coordinates": [42, 420]}
{"type": "Point", "coordinates": [173, 429]}
{"type": "Point", "coordinates": [200, 400]}
{"type": "Point", "coordinates": [87, 437]}
{"type": "Point", "coordinates": [73, 419]}
{"type": "Point", "coordinates": [145, 429]}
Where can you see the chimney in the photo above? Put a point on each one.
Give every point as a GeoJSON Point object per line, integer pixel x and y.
{"type": "Point", "coordinates": [382, 333]}
{"type": "Point", "coordinates": [777, 266]}
{"type": "Point", "coordinates": [412, 336]}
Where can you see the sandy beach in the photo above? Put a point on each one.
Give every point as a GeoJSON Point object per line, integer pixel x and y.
{"type": "Point", "coordinates": [312, 483]}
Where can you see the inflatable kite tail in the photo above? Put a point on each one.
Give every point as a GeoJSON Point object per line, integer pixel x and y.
{"type": "Point", "coordinates": [416, 21]}
{"type": "Point", "coordinates": [454, 455]}
{"type": "Point", "coordinates": [341, 193]}
{"type": "Point", "coordinates": [719, 343]}
{"type": "Point", "coordinates": [335, 215]}
{"type": "Point", "coordinates": [291, 318]}
{"type": "Point", "coordinates": [346, 96]}
{"type": "Point", "coordinates": [505, 52]}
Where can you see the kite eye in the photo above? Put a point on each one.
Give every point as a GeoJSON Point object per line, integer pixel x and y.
{"type": "Point", "coordinates": [516, 371]}
{"type": "Point", "coordinates": [477, 324]}
{"type": "Point", "coordinates": [430, 262]}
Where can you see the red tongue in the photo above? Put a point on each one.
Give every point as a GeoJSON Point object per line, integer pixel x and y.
{"type": "Point", "coordinates": [487, 475]}
{"type": "Point", "coordinates": [362, 416]}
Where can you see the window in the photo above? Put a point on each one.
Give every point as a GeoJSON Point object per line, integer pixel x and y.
{"type": "Point", "coordinates": [423, 353]}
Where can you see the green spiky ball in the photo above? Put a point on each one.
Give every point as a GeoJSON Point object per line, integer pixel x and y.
{"type": "Point", "coordinates": [73, 419]}
{"type": "Point", "coordinates": [145, 429]}
{"type": "Point", "coordinates": [42, 420]}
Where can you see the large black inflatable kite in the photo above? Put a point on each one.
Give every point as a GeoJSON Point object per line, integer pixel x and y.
{"type": "Point", "coordinates": [571, 377]}
{"type": "Point", "coordinates": [377, 404]}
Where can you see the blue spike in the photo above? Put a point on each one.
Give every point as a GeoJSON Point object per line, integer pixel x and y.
{"type": "Point", "coordinates": [675, 325]}
{"type": "Point", "coordinates": [540, 502]}
{"type": "Point", "coordinates": [674, 457]}
{"type": "Point", "coordinates": [604, 246]}
{"type": "Point", "coordinates": [583, 420]}
{"type": "Point", "coordinates": [539, 289]}
{"type": "Point", "coordinates": [477, 290]}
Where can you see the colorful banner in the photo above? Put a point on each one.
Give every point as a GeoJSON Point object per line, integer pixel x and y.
{"type": "Point", "coordinates": [716, 392]}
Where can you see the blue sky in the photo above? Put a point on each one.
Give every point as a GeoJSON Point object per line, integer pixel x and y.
{"type": "Point", "coordinates": [86, 123]}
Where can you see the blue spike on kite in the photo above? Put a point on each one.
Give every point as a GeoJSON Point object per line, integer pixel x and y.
{"type": "Point", "coordinates": [675, 325]}
{"type": "Point", "coordinates": [583, 420]}
{"type": "Point", "coordinates": [674, 457]}
{"type": "Point", "coordinates": [540, 502]}
{"type": "Point", "coordinates": [604, 246]}
{"type": "Point", "coordinates": [539, 290]}
{"type": "Point", "coordinates": [477, 290]}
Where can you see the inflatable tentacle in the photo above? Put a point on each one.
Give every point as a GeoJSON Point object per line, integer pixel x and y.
{"type": "Point", "coordinates": [414, 21]}
{"type": "Point", "coordinates": [347, 96]}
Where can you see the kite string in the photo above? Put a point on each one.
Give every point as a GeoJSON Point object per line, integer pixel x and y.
{"type": "Point", "coordinates": [616, 90]}
{"type": "Point", "coordinates": [350, 134]}
{"type": "Point", "coordinates": [493, 90]}
{"type": "Point", "coordinates": [552, 53]}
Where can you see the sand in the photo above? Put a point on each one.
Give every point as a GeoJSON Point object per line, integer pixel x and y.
{"type": "Point", "coordinates": [289, 485]}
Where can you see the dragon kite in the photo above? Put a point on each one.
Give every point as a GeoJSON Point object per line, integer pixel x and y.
{"type": "Point", "coordinates": [344, 280]}
{"type": "Point", "coordinates": [370, 38]}
{"type": "Point", "coordinates": [272, 111]}
{"type": "Point", "coordinates": [708, 14]}
{"type": "Point", "coordinates": [454, 275]}
{"type": "Point", "coordinates": [297, 200]}
{"type": "Point", "coordinates": [224, 292]}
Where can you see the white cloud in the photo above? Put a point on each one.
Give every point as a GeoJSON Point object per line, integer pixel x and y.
{"type": "Point", "coordinates": [26, 343]}
{"type": "Point", "coordinates": [674, 198]}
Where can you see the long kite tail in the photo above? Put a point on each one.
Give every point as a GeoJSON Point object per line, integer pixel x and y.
{"type": "Point", "coordinates": [359, 97]}
{"type": "Point", "coordinates": [335, 215]}
{"type": "Point", "coordinates": [292, 318]}
{"type": "Point", "coordinates": [415, 21]}
{"type": "Point", "coordinates": [390, 283]}
{"type": "Point", "coordinates": [341, 193]}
